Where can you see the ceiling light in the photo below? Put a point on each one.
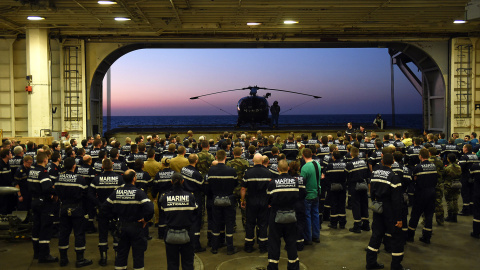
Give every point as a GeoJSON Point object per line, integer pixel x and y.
{"type": "Point", "coordinates": [35, 18]}
{"type": "Point", "coordinates": [459, 21]}
{"type": "Point", "coordinates": [107, 2]}
{"type": "Point", "coordinates": [290, 22]}
{"type": "Point", "coordinates": [122, 19]}
{"type": "Point", "coordinates": [254, 23]}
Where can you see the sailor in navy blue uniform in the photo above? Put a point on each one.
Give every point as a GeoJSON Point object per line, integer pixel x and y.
{"type": "Point", "coordinates": [466, 161]}
{"type": "Point", "coordinates": [256, 181]}
{"type": "Point", "coordinates": [385, 189]}
{"type": "Point", "coordinates": [222, 182]}
{"type": "Point", "coordinates": [118, 166]}
{"type": "Point", "coordinates": [357, 172]}
{"type": "Point", "coordinates": [294, 171]}
{"type": "Point", "coordinates": [97, 165]}
{"type": "Point", "coordinates": [86, 171]}
{"type": "Point", "coordinates": [290, 149]}
{"type": "Point", "coordinates": [425, 178]}
{"type": "Point", "coordinates": [335, 174]}
{"type": "Point", "coordinates": [406, 178]}
{"type": "Point", "coordinates": [143, 182]}
{"type": "Point", "coordinates": [72, 192]}
{"type": "Point", "coordinates": [399, 145]}
{"type": "Point", "coordinates": [475, 208]}
{"type": "Point", "coordinates": [283, 195]}
{"type": "Point", "coordinates": [376, 156]}
{"type": "Point", "coordinates": [7, 202]}
{"type": "Point", "coordinates": [41, 187]}
{"type": "Point", "coordinates": [133, 208]}
{"type": "Point", "coordinates": [101, 187]}
{"type": "Point", "coordinates": [180, 211]}
{"type": "Point", "coordinates": [193, 182]}
{"type": "Point", "coordinates": [20, 180]}
{"type": "Point", "coordinates": [97, 144]}
{"type": "Point", "coordinates": [162, 184]}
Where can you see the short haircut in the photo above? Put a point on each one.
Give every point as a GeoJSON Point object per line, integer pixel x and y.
{"type": "Point", "coordinates": [151, 153]}
{"type": "Point", "coordinates": [387, 159]}
{"type": "Point", "coordinates": [113, 153]}
{"type": "Point", "coordinates": [181, 150]}
{"type": "Point", "coordinates": [128, 176]}
{"type": "Point", "coordinates": [102, 154]}
{"type": "Point", "coordinates": [252, 149]}
{"type": "Point", "coordinates": [237, 151]}
{"type": "Point", "coordinates": [424, 153]}
{"type": "Point", "coordinates": [133, 148]}
{"type": "Point", "coordinates": [307, 153]}
{"type": "Point", "coordinates": [398, 156]}
{"type": "Point", "coordinates": [97, 142]}
{"type": "Point", "coordinates": [336, 155]}
{"type": "Point", "coordinates": [141, 147]}
{"type": "Point", "coordinates": [469, 147]}
{"type": "Point", "coordinates": [138, 165]}
{"type": "Point", "coordinates": [41, 157]}
{"type": "Point", "coordinates": [221, 155]}
{"type": "Point", "coordinates": [354, 152]}
{"type": "Point", "coordinates": [56, 156]}
{"type": "Point", "coordinates": [452, 157]}
{"type": "Point", "coordinates": [324, 140]}
{"type": "Point", "coordinates": [27, 158]}
{"type": "Point", "coordinates": [417, 141]}
{"type": "Point", "coordinates": [171, 147]}
{"type": "Point", "coordinates": [107, 164]}
{"type": "Point", "coordinates": [283, 166]}
{"type": "Point", "coordinates": [388, 150]}
{"type": "Point", "coordinates": [69, 162]}
{"type": "Point", "coordinates": [17, 150]}
{"type": "Point", "coordinates": [274, 150]}
{"type": "Point", "coordinates": [433, 151]}
{"type": "Point", "coordinates": [331, 147]}
{"type": "Point", "coordinates": [378, 144]}
{"type": "Point", "coordinates": [192, 158]}
{"type": "Point", "coordinates": [204, 144]}
{"type": "Point", "coordinates": [4, 153]}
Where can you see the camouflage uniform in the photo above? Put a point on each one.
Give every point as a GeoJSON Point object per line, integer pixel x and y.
{"type": "Point", "coordinates": [205, 160]}
{"type": "Point", "coordinates": [452, 172]}
{"type": "Point", "coordinates": [240, 165]}
{"type": "Point", "coordinates": [439, 212]}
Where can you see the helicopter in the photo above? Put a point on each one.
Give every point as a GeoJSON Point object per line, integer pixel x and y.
{"type": "Point", "coordinates": [254, 109]}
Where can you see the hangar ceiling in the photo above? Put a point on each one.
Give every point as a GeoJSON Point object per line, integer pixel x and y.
{"type": "Point", "coordinates": [223, 20]}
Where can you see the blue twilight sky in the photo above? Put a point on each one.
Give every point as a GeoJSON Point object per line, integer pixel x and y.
{"type": "Point", "coordinates": [350, 81]}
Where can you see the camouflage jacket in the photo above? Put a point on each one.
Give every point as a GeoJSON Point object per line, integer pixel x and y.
{"type": "Point", "coordinates": [205, 160]}
{"type": "Point", "coordinates": [240, 165]}
{"type": "Point", "coordinates": [452, 172]}
{"type": "Point", "coordinates": [440, 168]}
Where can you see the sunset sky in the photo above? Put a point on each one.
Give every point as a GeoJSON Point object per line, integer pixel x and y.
{"type": "Point", "coordinates": [350, 81]}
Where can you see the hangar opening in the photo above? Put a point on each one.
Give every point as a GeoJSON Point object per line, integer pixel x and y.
{"type": "Point", "coordinates": [421, 70]}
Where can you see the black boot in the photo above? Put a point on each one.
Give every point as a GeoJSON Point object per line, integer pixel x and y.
{"type": "Point", "coordinates": [365, 225]}
{"type": "Point", "coordinates": [449, 218]}
{"type": "Point", "coordinates": [44, 254]}
{"type": "Point", "coordinates": [103, 258]}
{"type": "Point", "coordinates": [35, 250]}
{"type": "Point", "coordinates": [81, 261]}
{"type": "Point", "coordinates": [63, 257]}
{"type": "Point", "coordinates": [465, 211]}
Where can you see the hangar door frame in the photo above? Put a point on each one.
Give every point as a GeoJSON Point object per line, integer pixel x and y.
{"type": "Point", "coordinates": [435, 113]}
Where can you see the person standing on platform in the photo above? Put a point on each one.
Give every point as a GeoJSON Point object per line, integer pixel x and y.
{"type": "Point", "coordinates": [180, 211]}
{"type": "Point", "coordinates": [275, 111]}
{"type": "Point", "coordinates": [133, 208]}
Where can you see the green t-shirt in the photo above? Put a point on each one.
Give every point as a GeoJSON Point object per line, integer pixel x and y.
{"type": "Point", "coordinates": [312, 186]}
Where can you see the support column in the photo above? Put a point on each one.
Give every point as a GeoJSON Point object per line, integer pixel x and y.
{"type": "Point", "coordinates": [39, 101]}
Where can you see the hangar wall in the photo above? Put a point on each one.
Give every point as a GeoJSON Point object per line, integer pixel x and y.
{"type": "Point", "coordinates": [464, 86]}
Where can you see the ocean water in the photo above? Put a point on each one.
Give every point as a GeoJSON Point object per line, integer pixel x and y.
{"type": "Point", "coordinates": [402, 120]}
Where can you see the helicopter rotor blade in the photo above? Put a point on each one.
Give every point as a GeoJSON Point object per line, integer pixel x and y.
{"type": "Point", "coordinates": [216, 93]}
{"type": "Point", "coordinates": [279, 90]}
